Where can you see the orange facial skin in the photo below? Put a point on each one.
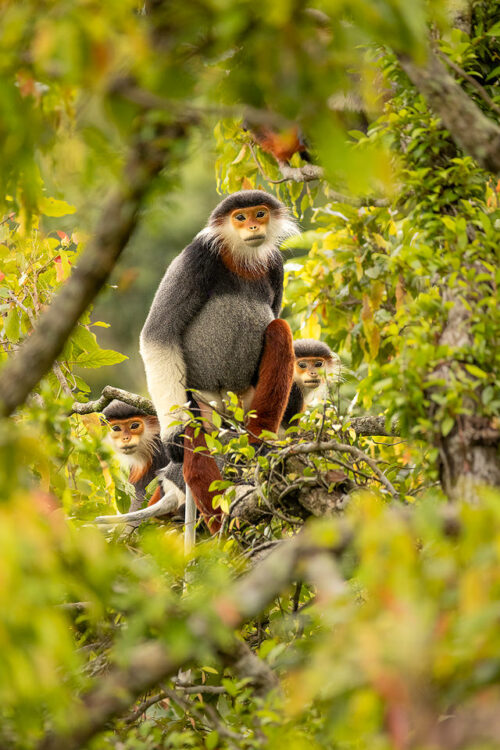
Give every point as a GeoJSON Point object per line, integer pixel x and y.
{"type": "Point", "coordinates": [309, 372]}
{"type": "Point", "coordinates": [127, 433]}
{"type": "Point", "coordinates": [251, 224]}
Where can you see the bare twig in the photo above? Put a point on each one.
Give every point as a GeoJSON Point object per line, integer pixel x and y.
{"type": "Point", "coordinates": [333, 445]}
{"type": "Point", "coordinates": [202, 689]}
{"type": "Point", "coordinates": [143, 707]}
{"type": "Point", "coordinates": [23, 307]}
{"type": "Point", "coordinates": [56, 369]}
{"type": "Point", "coordinates": [349, 200]}
{"type": "Point", "coordinates": [306, 173]}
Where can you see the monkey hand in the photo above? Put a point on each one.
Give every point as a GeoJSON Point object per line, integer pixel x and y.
{"type": "Point", "coordinates": [173, 441]}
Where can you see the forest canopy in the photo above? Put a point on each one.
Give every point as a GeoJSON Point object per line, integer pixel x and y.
{"type": "Point", "coordinates": [351, 599]}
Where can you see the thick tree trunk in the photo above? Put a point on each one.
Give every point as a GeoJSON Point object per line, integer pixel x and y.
{"type": "Point", "coordinates": [469, 454]}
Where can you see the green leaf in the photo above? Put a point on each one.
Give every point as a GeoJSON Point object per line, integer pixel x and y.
{"type": "Point", "coordinates": [85, 339]}
{"type": "Point", "coordinates": [100, 358]}
{"type": "Point", "coordinates": [210, 441]}
{"type": "Point", "coordinates": [12, 325]}
{"type": "Point", "coordinates": [447, 425]}
{"type": "Point", "coordinates": [476, 371]}
{"type": "Point", "coordinates": [53, 207]}
{"type": "Point", "coordinates": [212, 740]}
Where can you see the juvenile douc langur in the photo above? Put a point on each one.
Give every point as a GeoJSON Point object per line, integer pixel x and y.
{"type": "Point", "coordinates": [135, 437]}
{"type": "Point", "coordinates": [213, 327]}
{"type": "Point", "coordinates": [316, 367]}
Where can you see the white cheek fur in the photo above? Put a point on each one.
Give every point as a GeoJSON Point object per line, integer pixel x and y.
{"type": "Point", "coordinates": [278, 229]}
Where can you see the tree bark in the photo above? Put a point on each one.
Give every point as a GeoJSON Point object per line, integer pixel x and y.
{"type": "Point", "coordinates": [471, 130]}
{"type": "Point", "coordinates": [469, 455]}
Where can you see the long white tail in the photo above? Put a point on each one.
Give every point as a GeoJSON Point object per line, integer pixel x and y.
{"type": "Point", "coordinates": [167, 504]}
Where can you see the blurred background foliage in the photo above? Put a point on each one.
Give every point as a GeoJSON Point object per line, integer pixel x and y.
{"type": "Point", "coordinates": [404, 632]}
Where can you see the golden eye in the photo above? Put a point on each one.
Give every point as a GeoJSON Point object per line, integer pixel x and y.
{"type": "Point", "coordinates": [318, 364]}
{"type": "Point", "coordinates": [302, 365]}
{"type": "Point", "coordinates": [261, 214]}
{"type": "Point", "coordinates": [240, 217]}
{"type": "Point", "coordinates": [135, 425]}
{"type": "Point", "coordinates": [116, 428]}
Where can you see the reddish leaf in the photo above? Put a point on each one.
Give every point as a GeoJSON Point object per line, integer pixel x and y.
{"type": "Point", "coordinates": [63, 236]}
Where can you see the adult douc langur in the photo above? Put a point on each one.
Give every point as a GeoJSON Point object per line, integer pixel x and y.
{"type": "Point", "coordinates": [213, 327]}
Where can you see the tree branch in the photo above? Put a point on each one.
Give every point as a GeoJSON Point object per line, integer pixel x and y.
{"type": "Point", "coordinates": [303, 557]}
{"type": "Point", "coordinates": [151, 663]}
{"type": "Point", "coordinates": [109, 393]}
{"type": "Point", "coordinates": [306, 173]}
{"type": "Point", "coordinates": [374, 427]}
{"type": "Point", "coordinates": [310, 172]}
{"type": "Point", "coordinates": [471, 130]}
{"type": "Point", "coordinates": [365, 426]}
{"type": "Point", "coordinates": [470, 79]}
{"type": "Point", "coordinates": [118, 221]}
{"type": "Point", "coordinates": [246, 664]}
{"type": "Point", "coordinates": [333, 445]}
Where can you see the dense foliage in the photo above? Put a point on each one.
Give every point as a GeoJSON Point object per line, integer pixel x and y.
{"type": "Point", "coordinates": [376, 627]}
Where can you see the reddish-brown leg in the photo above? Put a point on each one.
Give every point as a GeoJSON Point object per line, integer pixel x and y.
{"type": "Point", "coordinates": [157, 495]}
{"type": "Point", "coordinates": [275, 380]}
{"type": "Point", "coordinates": [200, 470]}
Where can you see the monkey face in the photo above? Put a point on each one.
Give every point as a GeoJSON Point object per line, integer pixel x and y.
{"type": "Point", "coordinates": [310, 372]}
{"type": "Point", "coordinates": [127, 434]}
{"type": "Point", "coordinates": [251, 224]}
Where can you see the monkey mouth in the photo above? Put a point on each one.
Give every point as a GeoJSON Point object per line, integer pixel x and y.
{"type": "Point", "coordinates": [312, 382]}
{"type": "Point", "coordinates": [257, 239]}
{"type": "Point", "coordinates": [127, 448]}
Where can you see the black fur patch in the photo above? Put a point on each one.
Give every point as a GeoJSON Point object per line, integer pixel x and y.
{"type": "Point", "coordinates": [295, 406]}
{"type": "Point", "coordinates": [244, 199]}
{"type": "Point", "coordinates": [120, 410]}
{"type": "Point", "coordinates": [311, 348]}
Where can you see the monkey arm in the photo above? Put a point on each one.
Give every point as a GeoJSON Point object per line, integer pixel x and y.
{"type": "Point", "coordinates": [180, 296]}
